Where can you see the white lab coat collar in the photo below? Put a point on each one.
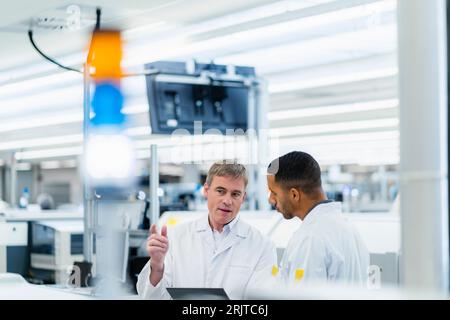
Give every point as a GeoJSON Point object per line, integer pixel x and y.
{"type": "Point", "coordinates": [236, 227]}
{"type": "Point", "coordinates": [238, 231]}
{"type": "Point", "coordinates": [323, 208]}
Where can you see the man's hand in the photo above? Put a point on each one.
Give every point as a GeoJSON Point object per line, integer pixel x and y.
{"type": "Point", "coordinates": [157, 247]}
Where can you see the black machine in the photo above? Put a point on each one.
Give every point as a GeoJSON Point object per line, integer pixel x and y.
{"type": "Point", "coordinates": [216, 95]}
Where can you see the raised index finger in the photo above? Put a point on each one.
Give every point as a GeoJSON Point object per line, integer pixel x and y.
{"type": "Point", "coordinates": [153, 229]}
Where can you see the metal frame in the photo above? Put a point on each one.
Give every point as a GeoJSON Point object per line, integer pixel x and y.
{"type": "Point", "coordinates": [87, 194]}
{"type": "Point", "coordinates": [154, 184]}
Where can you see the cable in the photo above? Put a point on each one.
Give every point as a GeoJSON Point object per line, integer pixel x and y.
{"type": "Point", "coordinates": [30, 36]}
{"type": "Point", "coordinates": [145, 73]}
{"type": "Point", "coordinates": [97, 27]}
{"type": "Point", "coordinates": [98, 13]}
{"type": "Point", "coordinates": [148, 72]}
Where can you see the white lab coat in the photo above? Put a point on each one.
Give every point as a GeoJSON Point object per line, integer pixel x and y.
{"type": "Point", "coordinates": [327, 248]}
{"type": "Point", "coordinates": [244, 260]}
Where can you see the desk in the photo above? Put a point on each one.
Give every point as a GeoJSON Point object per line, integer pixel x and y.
{"type": "Point", "coordinates": [14, 287]}
{"type": "Point", "coordinates": [14, 225]}
{"type": "Point", "coordinates": [25, 215]}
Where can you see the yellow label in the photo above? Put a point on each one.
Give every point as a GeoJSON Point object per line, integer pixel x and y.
{"type": "Point", "coordinates": [172, 221]}
{"type": "Point", "coordinates": [274, 271]}
{"type": "Point", "coordinates": [299, 273]}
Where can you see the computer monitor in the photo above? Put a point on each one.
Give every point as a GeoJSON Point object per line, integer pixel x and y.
{"type": "Point", "coordinates": [178, 99]}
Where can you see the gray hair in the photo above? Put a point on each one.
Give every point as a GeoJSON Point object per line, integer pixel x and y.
{"type": "Point", "coordinates": [227, 169]}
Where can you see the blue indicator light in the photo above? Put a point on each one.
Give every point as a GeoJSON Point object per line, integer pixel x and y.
{"type": "Point", "coordinates": [107, 105]}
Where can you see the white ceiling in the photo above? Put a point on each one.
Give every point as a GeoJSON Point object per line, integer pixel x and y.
{"type": "Point", "coordinates": [334, 55]}
{"type": "Point", "coordinates": [16, 16]}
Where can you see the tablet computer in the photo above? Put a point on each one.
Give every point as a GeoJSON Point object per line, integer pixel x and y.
{"type": "Point", "coordinates": [198, 293]}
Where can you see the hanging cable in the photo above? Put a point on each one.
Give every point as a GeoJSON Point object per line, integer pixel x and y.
{"type": "Point", "coordinates": [98, 12]}
{"type": "Point", "coordinates": [30, 36]}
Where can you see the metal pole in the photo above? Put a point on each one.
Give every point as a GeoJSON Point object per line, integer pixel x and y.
{"type": "Point", "coordinates": [3, 255]}
{"type": "Point", "coordinates": [251, 137]}
{"type": "Point", "coordinates": [262, 103]}
{"type": "Point", "coordinates": [13, 177]}
{"type": "Point", "coordinates": [35, 189]}
{"type": "Point", "coordinates": [2, 183]}
{"type": "Point", "coordinates": [423, 144]}
{"type": "Point", "coordinates": [154, 184]}
{"type": "Point", "coordinates": [87, 208]}
{"type": "Point", "coordinates": [383, 184]}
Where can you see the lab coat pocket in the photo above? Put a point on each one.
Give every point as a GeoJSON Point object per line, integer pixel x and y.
{"type": "Point", "coordinates": [236, 281]}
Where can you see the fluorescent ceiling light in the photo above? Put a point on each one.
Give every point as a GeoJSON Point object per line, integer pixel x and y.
{"type": "Point", "coordinates": [41, 67]}
{"type": "Point", "coordinates": [57, 164]}
{"type": "Point", "coordinates": [332, 110]}
{"type": "Point", "coordinates": [342, 138]}
{"type": "Point", "coordinates": [40, 122]}
{"type": "Point", "coordinates": [258, 13]}
{"type": "Point", "coordinates": [36, 102]}
{"type": "Point", "coordinates": [333, 146]}
{"type": "Point", "coordinates": [71, 96]}
{"type": "Point", "coordinates": [334, 127]}
{"type": "Point", "coordinates": [61, 140]}
{"type": "Point", "coordinates": [144, 144]}
{"type": "Point", "coordinates": [381, 148]}
{"type": "Point", "coordinates": [301, 24]}
{"type": "Point", "coordinates": [248, 15]}
{"type": "Point", "coordinates": [182, 46]}
{"type": "Point", "coordinates": [367, 160]}
{"type": "Point", "coordinates": [138, 131]}
{"type": "Point", "coordinates": [377, 158]}
{"type": "Point", "coordinates": [71, 139]}
{"type": "Point", "coordinates": [317, 51]}
{"type": "Point", "coordinates": [332, 80]}
{"type": "Point", "coordinates": [146, 30]}
{"type": "Point", "coordinates": [349, 147]}
{"type": "Point", "coordinates": [23, 166]}
{"type": "Point", "coordinates": [188, 141]}
{"type": "Point", "coordinates": [191, 140]}
{"type": "Point", "coordinates": [22, 87]}
{"type": "Point", "coordinates": [135, 109]}
{"type": "Point", "coordinates": [324, 154]}
{"type": "Point", "coordinates": [49, 153]}
{"type": "Point", "coordinates": [53, 164]}
{"type": "Point", "coordinates": [77, 117]}
{"type": "Point", "coordinates": [31, 143]}
{"type": "Point", "coordinates": [69, 163]}
{"type": "Point", "coordinates": [77, 150]}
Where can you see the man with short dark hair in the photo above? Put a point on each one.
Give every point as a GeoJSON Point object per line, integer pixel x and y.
{"type": "Point", "coordinates": [326, 247]}
{"type": "Point", "coordinates": [218, 250]}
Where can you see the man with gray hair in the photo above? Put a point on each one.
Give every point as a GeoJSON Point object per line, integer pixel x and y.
{"type": "Point", "coordinates": [219, 250]}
